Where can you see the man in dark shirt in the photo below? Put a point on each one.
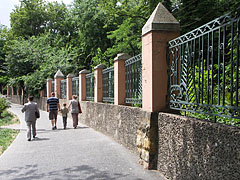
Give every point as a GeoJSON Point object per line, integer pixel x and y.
{"type": "Point", "coordinates": [53, 107]}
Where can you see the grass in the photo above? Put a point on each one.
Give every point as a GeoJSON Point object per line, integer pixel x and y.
{"type": "Point", "coordinates": [7, 135]}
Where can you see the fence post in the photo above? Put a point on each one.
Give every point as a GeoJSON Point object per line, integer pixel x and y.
{"type": "Point", "coordinates": [8, 90]}
{"type": "Point", "coordinates": [119, 78]}
{"type": "Point", "coordinates": [58, 77]}
{"type": "Point", "coordinates": [49, 87]}
{"type": "Point", "coordinates": [69, 86]}
{"type": "Point", "coordinates": [42, 93]}
{"type": "Point", "coordinates": [12, 90]}
{"type": "Point", "coordinates": [160, 28]}
{"type": "Point", "coordinates": [98, 86]}
{"type": "Point", "coordinates": [82, 84]}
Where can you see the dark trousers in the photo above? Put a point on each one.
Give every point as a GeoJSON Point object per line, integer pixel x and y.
{"type": "Point", "coordinates": [64, 122]}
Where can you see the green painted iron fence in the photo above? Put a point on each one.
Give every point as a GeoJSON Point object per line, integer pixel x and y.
{"type": "Point", "coordinates": [108, 85]}
{"type": "Point", "coordinates": [90, 87]}
{"type": "Point", "coordinates": [75, 86]}
{"type": "Point", "coordinates": [63, 89]}
{"type": "Point", "coordinates": [133, 80]}
{"type": "Point", "coordinates": [204, 69]}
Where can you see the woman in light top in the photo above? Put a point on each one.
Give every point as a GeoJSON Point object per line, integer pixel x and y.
{"type": "Point", "coordinates": [75, 110]}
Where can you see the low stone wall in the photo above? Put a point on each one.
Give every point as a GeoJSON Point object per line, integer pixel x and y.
{"type": "Point", "coordinates": [119, 122]}
{"type": "Point", "coordinates": [180, 148]}
{"type": "Point", "coordinates": [194, 149]}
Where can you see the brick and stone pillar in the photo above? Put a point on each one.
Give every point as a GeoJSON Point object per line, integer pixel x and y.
{"type": "Point", "coordinates": [119, 78]}
{"type": "Point", "coordinates": [69, 86]}
{"type": "Point", "coordinates": [42, 93]}
{"type": "Point", "coordinates": [82, 84]}
{"type": "Point", "coordinates": [58, 77]}
{"type": "Point", "coordinates": [12, 91]}
{"type": "Point", "coordinates": [98, 86]}
{"type": "Point", "coordinates": [49, 87]}
{"type": "Point", "coordinates": [8, 90]}
{"type": "Point", "coordinates": [160, 28]}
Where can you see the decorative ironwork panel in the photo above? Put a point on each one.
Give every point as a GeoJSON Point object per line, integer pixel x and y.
{"type": "Point", "coordinates": [45, 90]}
{"type": "Point", "coordinates": [133, 80]}
{"type": "Point", "coordinates": [63, 89]}
{"type": "Point", "coordinates": [108, 85]}
{"type": "Point", "coordinates": [75, 86]}
{"type": "Point", "coordinates": [53, 86]}
{"type": "Point", "coordinates": [204, 69]}
{"type": "Point", "coordinates": [90, 87]}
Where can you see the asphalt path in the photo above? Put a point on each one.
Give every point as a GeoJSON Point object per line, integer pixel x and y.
{"type": "Point", "coordinates": [81, 154]}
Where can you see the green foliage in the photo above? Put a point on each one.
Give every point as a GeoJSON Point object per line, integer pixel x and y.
{"type": "Point", "coordinates": [3, 105]}
{"type": "Point", "coordinates": [6, 118]}
{"type": "Point", "coordinates": [6, 138]}
{"type": "Point", "coordinates": [205, 98]}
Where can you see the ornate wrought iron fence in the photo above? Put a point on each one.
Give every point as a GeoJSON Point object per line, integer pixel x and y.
{"type": "Point", "coordinates": [204, 69]}
{"type": "Point", "coordinates": [63, 89]}
{"type": "Point", "coordinates": [52, 86]}
{"type": "Point", "coordinates": [108, 85]}
{"type": "Point", "coordinates": [90, 87]}
{"type": "Point", "coordinates": [133, 80]}
{"type": "Point", "coordinates": [75, 86]}
{"type": "Point", "coordinates": [45, 91]}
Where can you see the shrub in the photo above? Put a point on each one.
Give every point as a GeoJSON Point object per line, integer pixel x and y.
{"type": "Point", "coordinates": [3, 105]}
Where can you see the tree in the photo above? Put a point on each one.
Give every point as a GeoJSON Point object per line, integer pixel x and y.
{"type": "Point", "coordinates": [3, 76]}
{"type": "Point", "coordinates": [29, 18]}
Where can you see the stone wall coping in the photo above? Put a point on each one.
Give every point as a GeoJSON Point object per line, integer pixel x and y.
{"type": "Point", "coordinates": [100, 66]}
{"type": "Point", "coordinates": [84, 71]}
{"type": "Point", "coordinates": [122, 56]}
{"type": "Point", "coordinates": [161, 20]}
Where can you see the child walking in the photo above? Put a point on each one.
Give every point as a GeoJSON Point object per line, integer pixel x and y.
{"type": "Point", "coordinates": [64, 112]}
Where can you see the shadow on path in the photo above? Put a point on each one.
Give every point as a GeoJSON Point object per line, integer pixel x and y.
{"type": "Point", "coordinates": [83, 172]}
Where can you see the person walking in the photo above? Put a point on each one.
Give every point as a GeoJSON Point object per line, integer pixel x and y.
{"type": "Point", "coordinates": [53, 107]}
{"type": "Point", "coordinates": [31, 109]}
{"type": "Point", "coordinates": [75, 110]}
{"type": "Point", "coordinates": [64, 112]}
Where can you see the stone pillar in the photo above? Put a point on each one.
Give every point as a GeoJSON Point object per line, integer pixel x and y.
{"type": "Point", "coordinates": [160, 28]}
{"type": "Point", "coordinates": [42, 93]}
{"type": "Point", "coordinates": [49, 87]}
{"type": "Point", "coordinates": [69, 86]}
{"type": "Point", "coordinates": [58, 77]}
{"type": "Point", "coordinates": [8, 90]}
{"type": "Point", "coordinates": [12, 91]}
{"type": "Point", "coordinates": [82, 84]}
{"type": "Point", "coordinates": [98, 86]}
{"type": "Point", "coordinates": [119, 78]}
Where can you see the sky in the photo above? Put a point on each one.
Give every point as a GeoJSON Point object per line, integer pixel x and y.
{"type": "Point", "coordinates": [6, 7]}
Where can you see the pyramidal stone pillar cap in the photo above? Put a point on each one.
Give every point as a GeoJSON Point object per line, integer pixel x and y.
{"type": "Point", "coordinates": [161, 19]}
{"type": "Point", "coordinates": [84, 71]}
{"type": "Point", "coordinates": [49, 79]}
{"type": "Point", "coordinates": [122, 56]}
{"type": "Point", "coordinates": [100, 66]}
{"type": "Point", "coordinates": [70, 75]}
{"type": "Point", "coordinates": [59, 74]}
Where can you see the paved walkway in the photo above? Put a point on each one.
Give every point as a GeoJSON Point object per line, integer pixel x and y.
{"type": "Point", "coordinates": [82, 154]}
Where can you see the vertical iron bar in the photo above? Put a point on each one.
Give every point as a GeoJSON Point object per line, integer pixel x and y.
{"type": "Point", "coordinates": [223, 65]}
{"type": "Point", "coordinates": [193, 59]}
{"type": "Point", "coordinates": [237, 64]}
{"type": "Point", "coordinates": [208, 69]}
{"type": "Point", "coordinates": [231, 83]}
{"type": "Point", "coordinates": [202, 52]}
{"type": "Point", "coordinates": [219, 67]}
{"type": "Point", "coordinates": [199, 69]}
{"type": "Point", "coordinates": [212, 65]}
